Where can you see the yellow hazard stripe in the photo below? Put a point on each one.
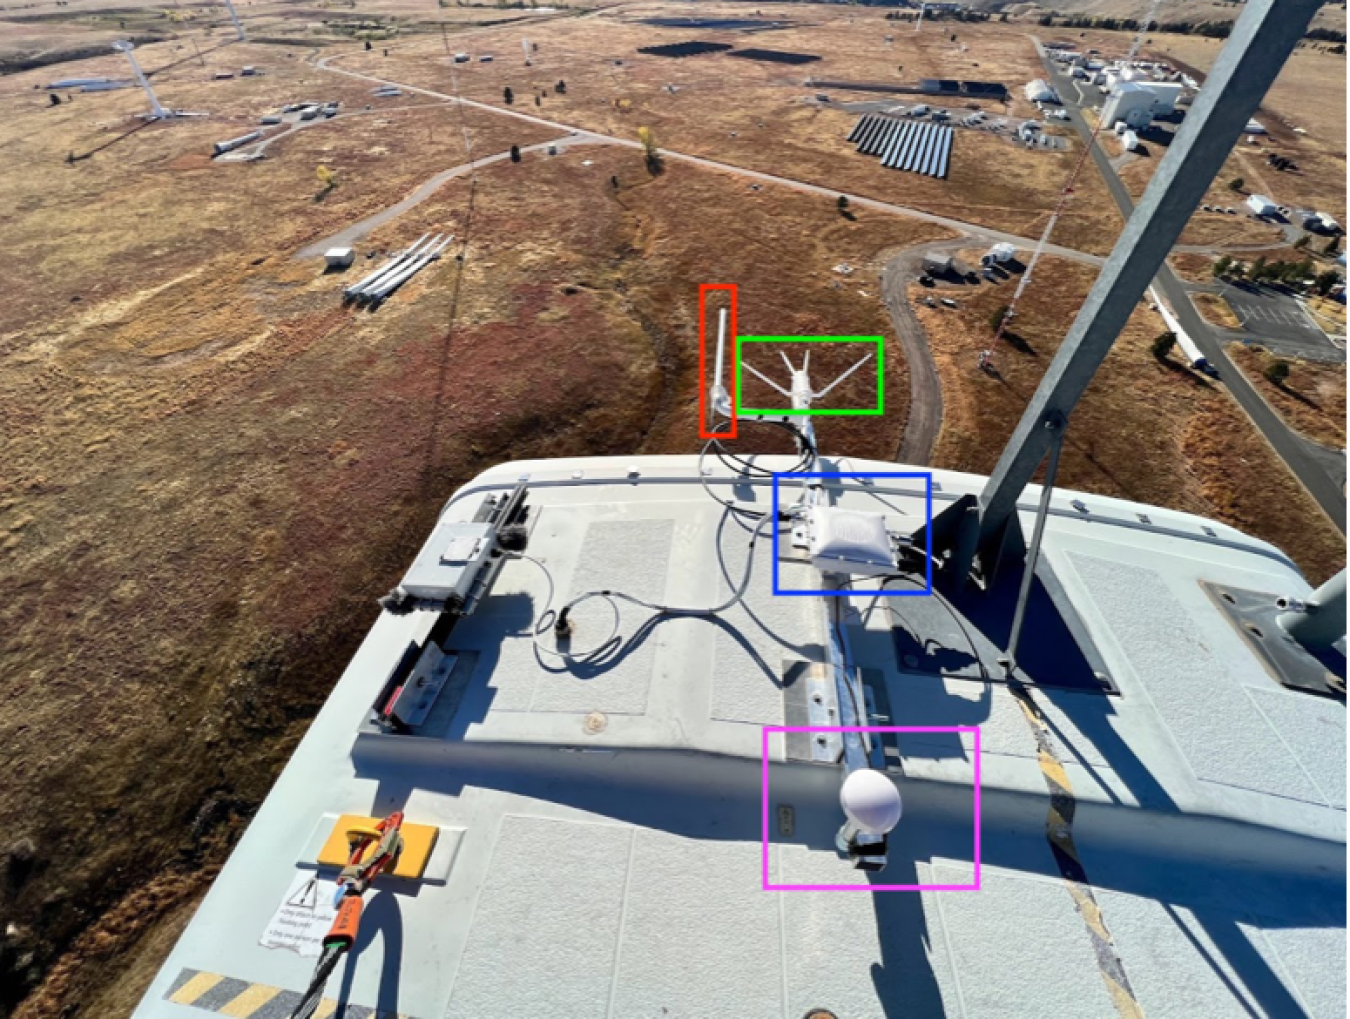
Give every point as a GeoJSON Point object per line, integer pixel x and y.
{"type": "Point", "coordinates": [195, 988]}
{"type": "Point", "coordinates": [254, 997]}
{"type": "Point", "coordinates": [1059, 833]}
{"type": "Point", "coordinates": [226, 996]}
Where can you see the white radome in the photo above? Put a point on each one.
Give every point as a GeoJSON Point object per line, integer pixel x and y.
{"type": "Point", "coordinates": [871, 801]}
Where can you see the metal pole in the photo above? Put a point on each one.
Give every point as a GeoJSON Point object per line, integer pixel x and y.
{"type": "Point", "coordinates": [1262, 39]}
{"type": "Point", "coordinates": [719, 391]}
{"type": "Point", "coordinates": [125, 48]}
{"type": "Point", "coordinates": [1055, 427]}
{"type": "Point", "coordinates": [1318, 622]}
{"type": "Point", "coordinates": [235, 18]}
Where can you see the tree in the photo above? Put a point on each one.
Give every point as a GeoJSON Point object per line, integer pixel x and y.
{"type": "Point", "coordinates": [328, 179]}
{"type": "Point", "coordinates": [1162, 345]}
{"type": "Point", "coordinates": [1236, 184]}
{"type": "Point", "coordinates": [842, 204]}
{"type": "Point", "coordinates": [560, 88]}
{"type": "Point", "coordinates": [1302, 242]}
{"type": "Point", "coordinates": [368, 46]}
{"type": "Point", "coordinates": [1258, 270]}
{"type": "Point", "coordinates": [1325, 280]}
{"type": "Point", "coordinates": [55, 99]}
{"type": "Point", "coordinates": [649, 150]}
{"type": "Point", "coordinates": [508, 96]}
{"type": "Point", "coordinates": [538, 101]}
{"type": "Point", "coordinates": [1277, 372]}
{"type": "Point", "coordinates": [1222, 266]}
{"type": "Point", "coordinates": [515, 153]}
{"type": "Point", "coordinates": [1332, 246]}
{"type": "Point", "coordinates": [998, 317]}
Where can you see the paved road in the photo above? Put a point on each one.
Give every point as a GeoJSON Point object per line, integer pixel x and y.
{"type": "Point", "coordinates": [1279, 321]}
{"type": "Point", "coordinates": [862, 201]}
{"type": "Point", "coordinates": [925, 388]}
{"type": "Point", "coordinates": [345, 238]}
{"type": "Point", "coordinates": [1305, 458]}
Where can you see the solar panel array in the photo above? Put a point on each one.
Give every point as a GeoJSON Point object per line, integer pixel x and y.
{"type": "Point", "coordinates": [915, 145]}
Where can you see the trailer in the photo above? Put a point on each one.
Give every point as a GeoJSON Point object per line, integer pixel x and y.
{"type": "Point", "coordinates": [997, 255]}
{"type": "Point", "coordinates": [1261, 206]}
{"type": "Point", "coordinates": [220, 148]}
{"type": "Point", "coordinates": [1194, 358]}
{"type": "Point", "coordinates": [339, 258]}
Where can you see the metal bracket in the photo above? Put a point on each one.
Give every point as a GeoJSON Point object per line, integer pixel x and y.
{"type": "Point", "coordinates": [1253, 615]}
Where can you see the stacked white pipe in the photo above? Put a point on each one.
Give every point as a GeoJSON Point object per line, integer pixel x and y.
{"type": "Point", "coordinates": [375, 294]}
{"type": "Point", "coordinates": [397, 261]}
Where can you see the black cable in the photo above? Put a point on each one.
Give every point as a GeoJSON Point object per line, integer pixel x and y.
{"type": "Point", "coordinates": [558, 622]}
{"type": "Point", "coordinates": [952, 611]}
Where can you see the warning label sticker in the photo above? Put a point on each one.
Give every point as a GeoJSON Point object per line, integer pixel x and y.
{"type": "Point", "coordinates": [304, 916]}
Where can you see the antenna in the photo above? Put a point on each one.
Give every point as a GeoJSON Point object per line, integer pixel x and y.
{"type": "Point", "coordinates": [238, 27]}
{"type": "Point", "coordinates": [718, 400]}
{"type": "Point", "coordinates": [801, 393]}
{"type": "Point", "coordinates": [157, 112]}
{"type": "Point", "coordinates": [918, 24]}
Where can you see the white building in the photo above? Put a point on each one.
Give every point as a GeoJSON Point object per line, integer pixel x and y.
{"type": "Point", "coordinates": [938, 262]}
{"type": "Point", "coordinates": [339, 258]}
{"type": "Point", "coordinates": [1039, 91]}
{"type": "Point", "coordinates": [1131, 103]}
{"type": "Point", "coordinates": [1329, 223]}
{"type": "Point", "coordinates": [1165, 95]}
{"type": "Point", "coordinates": [998, 254]}
{"type": "Point", "coordinates": [1129, 141]}
{"type": "Point", "coordinates": [1261, 205]}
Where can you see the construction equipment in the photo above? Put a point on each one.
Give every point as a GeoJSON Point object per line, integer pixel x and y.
{"type": "Point", "coordinates": [362, 869]}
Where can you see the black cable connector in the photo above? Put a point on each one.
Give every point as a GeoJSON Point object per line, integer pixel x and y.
{"type": "Point", "coordinates": [563, 628]}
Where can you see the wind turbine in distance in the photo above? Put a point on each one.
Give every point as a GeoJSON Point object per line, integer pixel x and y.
{"type": "Point", "coordinates": [238, 26]}
{"type": "Point", "coordinates": [157, 112]}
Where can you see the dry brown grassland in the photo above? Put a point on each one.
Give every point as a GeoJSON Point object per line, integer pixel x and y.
{"type": "Point", "coordinates": [1213, 308]}
{"type": "Point", "coordinates": [757, 115]}
{"type": "Point", "coordinates": [1311, 399]}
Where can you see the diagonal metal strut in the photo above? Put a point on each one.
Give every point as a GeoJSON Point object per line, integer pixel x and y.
{"type": "Point", "coordinates": [1262, 39]}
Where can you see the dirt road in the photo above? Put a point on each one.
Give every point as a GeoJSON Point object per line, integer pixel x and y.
{"type": "Point", "coordinates": [925, 388]}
